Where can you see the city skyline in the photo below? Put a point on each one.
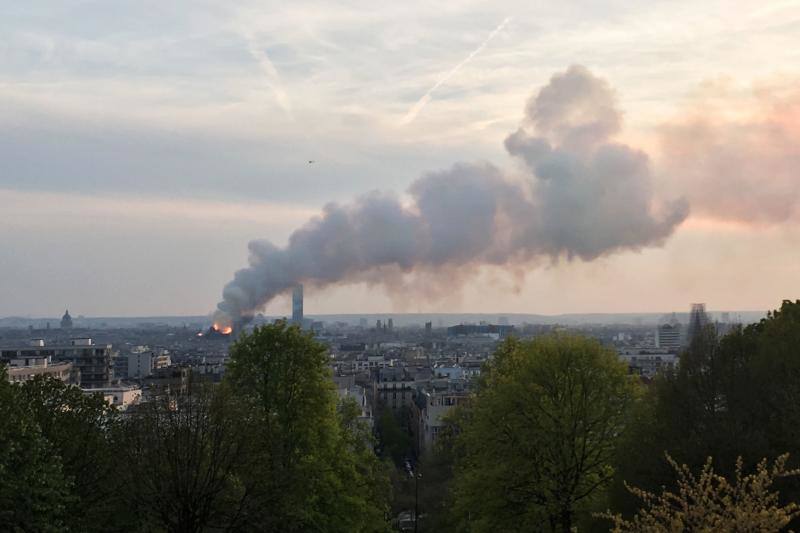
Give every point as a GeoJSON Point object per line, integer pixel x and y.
{"type": "Point", "coordinates": [138, 168]}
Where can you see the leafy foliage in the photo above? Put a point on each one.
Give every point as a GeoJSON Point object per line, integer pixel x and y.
{"type": "Point", "coordinates": [34, 492]}
{"type": "Point", "coordinates": [395, 440]}
{"type": "Point", "coordinates": [537, 444]}
{"type": "Point", "coordinates": [79, 429]}
{"type": "Point", "coordinates": [182, 462]}
{"type": "Point", "coordinates": [314, 471]}
{"type": "Point", "coordinates": [709, 502]}
{"type": "Point", "coordinates": [58, 465]}
{"type": "Point", "coordinates": [269, 449]}
{"type": "Point", "coordinates": [731, 397]}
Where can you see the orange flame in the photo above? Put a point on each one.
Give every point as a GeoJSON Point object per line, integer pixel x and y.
{"type": "Point", "coordinates": [227, 330]}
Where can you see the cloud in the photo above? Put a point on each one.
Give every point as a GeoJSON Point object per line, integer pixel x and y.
{"type": "Point", "coordinates": [422, 102]}
{"type": "Point", "coordinates": [737, 159]}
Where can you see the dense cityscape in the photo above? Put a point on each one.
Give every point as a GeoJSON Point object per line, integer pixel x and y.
{"type": "Point", "coordinates": [405, 382]}
{"type": "Point", "coordinates": [125, 363]}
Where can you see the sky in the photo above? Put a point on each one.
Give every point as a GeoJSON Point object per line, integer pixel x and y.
{"type": "Point", "coordinates": [145, 144]}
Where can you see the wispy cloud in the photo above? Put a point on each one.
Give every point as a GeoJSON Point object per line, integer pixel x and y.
{"type": "Point", "coordinates": [274, 82]}
{"type": "Point", "coordinates": [27, 208]}
{"type": "Point", "coordinates": [422, 102]}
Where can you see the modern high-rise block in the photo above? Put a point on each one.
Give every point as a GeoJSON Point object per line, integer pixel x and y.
{"type": "Point", "coordinates": [297, 304]}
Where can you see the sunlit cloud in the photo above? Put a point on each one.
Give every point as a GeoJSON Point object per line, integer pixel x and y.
{"type": "Point", "coordinates": [736, 156]}
{"type": "Point", "coordinates": [21, 206]}
{"type": "Point", "coordinates": [192, 117]}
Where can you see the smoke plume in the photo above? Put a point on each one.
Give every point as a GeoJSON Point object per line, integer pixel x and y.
{"type": "Point", "coordinates": [738, 160]}
{"type": "Point", "coordinates": [582, 195]}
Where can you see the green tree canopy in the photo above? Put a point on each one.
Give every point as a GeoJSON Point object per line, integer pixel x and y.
{"type": "Point", "coordinates": [732, 396]}
{"type": "Point", "coordinates": [537, 444]}
{"type": "Point", "coordinates": [34, 492]}
{"type": "Point", "coordinates": [316, 471]}
{"type": "Point", "coordinates": [56, 461]}
{"type": "Point", "coordinates": [395, 441]}
{"type": "Point", "coordinates": [78, 427]}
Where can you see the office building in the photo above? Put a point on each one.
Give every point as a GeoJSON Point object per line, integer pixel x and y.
{"type": "Point", "coordinates": [668, 337]}
{"type": "Point", "coordinates": [25, 364]}
{"type": "Point", "coordinates": [297, 305]}
{"type": "Point", "coordinates": [484, 330]}
{"type": "Point", "coordinates": [92, 361]}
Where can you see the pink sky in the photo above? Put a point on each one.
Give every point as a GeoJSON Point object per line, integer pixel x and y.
{"type": "Point", "coordinates": [139, 161]}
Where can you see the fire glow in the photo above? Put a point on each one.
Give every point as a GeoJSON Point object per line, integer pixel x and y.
{"type": "Point", "coordinates": [227, 330]}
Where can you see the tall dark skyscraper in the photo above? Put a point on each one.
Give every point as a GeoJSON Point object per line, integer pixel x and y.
{"type": "Point", "coordinates": [297, 304]}
{"type": "Point", "coordinates": [698, 319]}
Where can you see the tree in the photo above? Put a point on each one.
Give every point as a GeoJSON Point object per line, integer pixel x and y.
{"type": "Point", "coordinates": [436, 469]}
{"type": "Point", "coordinates": [182, 461]}
{"type": "Point", "coordinates": [711, 503]}
{"type": "Point", "coordinates": [363, 473]}
{"type": "Point", "coordinates": [395, 441]}
{"type": "Point", "coordinates": [77, 428]}
{"type": "Point", "coordinates": [731, 397]}
{"type": "Point", "coordinates": [684, 412]}
{"type": "Point", "coordinates": [35, 495]}
{"type": "Point", "coordinates": [313, 472]}
{"type": "Point", "coordinates": [536, 445]}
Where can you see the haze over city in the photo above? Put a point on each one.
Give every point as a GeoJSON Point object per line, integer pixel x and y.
{"type": "Point", "coordinates": [144, 147]}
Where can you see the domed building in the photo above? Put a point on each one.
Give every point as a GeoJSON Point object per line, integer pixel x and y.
{"type": "Point", "coordinates": [66, 320]}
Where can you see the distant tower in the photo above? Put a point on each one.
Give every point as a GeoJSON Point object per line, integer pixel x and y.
{"type": "Point", "coordinates": [297, 304]}
{"type": "Point", "coordinates": [698, 320]}
{"type": "Point", "coordinates": [66, 320]}
{"type": "Point", "coordinates": [390, 324]}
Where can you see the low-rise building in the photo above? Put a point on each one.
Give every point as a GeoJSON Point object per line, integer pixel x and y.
{"type": "Point", "coordinates": [21, 370]}
{"type": "Point", "coordinates": [142, 363]}
{"type": "Point", "coordinates": [449, 371]}
{"type": "Point", "coordinates": [648, 362]}
{"type": "Point", "coordinates": [121, 396]}
{"type": "Point", "coordinates": [492, 331]}
{"type": "Point", "coordinates": [27, 362]}
{"type": "Point", "coordinates": [170, 381]}
{"type": "Point", "coordinates": [359, 396]}
{"type": "Point", "coordinates": [431, 408]}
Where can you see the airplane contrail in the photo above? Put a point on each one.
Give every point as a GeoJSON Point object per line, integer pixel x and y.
{"type": "Point", "coordinates": [273, 78]}
{"type": "Point", "coordinates": [422, 102]}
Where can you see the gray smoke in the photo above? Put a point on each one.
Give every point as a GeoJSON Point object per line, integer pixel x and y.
{"type": "Point", "coordinates": [582, 195]}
